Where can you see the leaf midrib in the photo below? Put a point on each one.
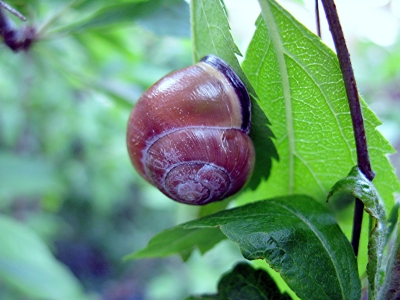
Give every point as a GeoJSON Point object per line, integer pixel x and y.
{"type": "Point", "coordinates": [230, 219]}
{"type": "Point", "coordinates": [323, 242]}
{"type": "Point", "coordinates": [269, 19]}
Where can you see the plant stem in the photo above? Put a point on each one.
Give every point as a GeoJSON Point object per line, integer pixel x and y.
{"type": "Point", "coordinates": [355, 110]}
{"type": "Point", "coordinates": [12, 10]}
{"type": "Point", "coordinates": [317, 19]}
{"type": "Point", "coordinates": [357, 224]}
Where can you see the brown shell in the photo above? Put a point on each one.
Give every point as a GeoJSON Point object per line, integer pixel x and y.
{"type": "Point", "coordinates": [187, 135]}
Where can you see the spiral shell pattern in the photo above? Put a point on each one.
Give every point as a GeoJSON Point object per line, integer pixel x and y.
{"type": "Point", "coordinates": [188, 133]}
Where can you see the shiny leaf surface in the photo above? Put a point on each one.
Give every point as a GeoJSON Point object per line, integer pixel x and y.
{"type": "Point", "coordinates": [360, 187]}
{"type": "Point", "coordinates": [391, 286]}
{"type": "Point", "coordinates": [294, 234]}
{"type": "Point", "coordinates": [301, 90]}
{"type": "Point", "coordinates": [244, 282]}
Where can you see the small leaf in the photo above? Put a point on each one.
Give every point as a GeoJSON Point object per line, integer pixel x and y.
{"type": "Point", "coordinates": [294, 234]}
{"type": "Point", "coordinates": [393, 219]}
{"type": "Point", "coordinates": [391, 287]}
{"type": "Point", "coordinates": [360, 187]}
{"type": "Point", "coordinates": [211, 32]}
{"type": "Point", "coordinates": [244, 282]}
{"type": "Point", "coordinates": [27, 265]}
{"type": "Point", "coordinates": [211, 35]}
{"type": "Point", "coordinates": [178, 240]}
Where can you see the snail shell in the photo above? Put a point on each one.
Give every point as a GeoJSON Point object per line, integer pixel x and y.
{"type": "Point", "coordinates": [188, 133]}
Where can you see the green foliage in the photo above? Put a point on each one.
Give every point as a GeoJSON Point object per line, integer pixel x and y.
{"type": "Point", "coordinates": [64, 170]}
{"type": "Point", "coordinates": [28, 266]}
{"type": "Point", "coordinates": [360, 187]}
{"type": "Point", "coordinates": [294, 234]}
{"type": "Point", "coordinates": [179, 240]}
{"type": "Point", "coordinates": [65, 173]}
{"type": "Point", "coordinates": [391, 288]}
{"type": "Point", "coordinates": [244, 282]}
{"type": "Point", "coordinates": [211, 33]}
{"type": "Point", "coordinates": [299, 83]}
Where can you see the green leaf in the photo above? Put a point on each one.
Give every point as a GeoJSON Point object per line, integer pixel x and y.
{"type": "Point", "coordinates": [360, 187]}
{"type": "Point", "coordinates": [211, 32]}
{"type": "Point", "coordinates": [391, 286]}
{"type": "Point", "coordinates": [393, 219]}
{"type": "Point", "coordinates": [178, 240]}
{"type": "Point", "coordinates": [27, 265]}
{"type": "Point", "coordinates": [211, 35]}
{"type": "Point", "coordinates": [163, 17]}
{"type": "Point", "coordinates": [244, 282]}
{"type": "Point", "coordinates": [294, 234]}
{"type": "Point", "coordinates": [299, 83]}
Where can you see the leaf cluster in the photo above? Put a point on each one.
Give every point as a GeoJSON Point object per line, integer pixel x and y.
{"type": "Point", "coordinates": [301, 129]}
{"type": "Point", "coordinates": [298, 94]}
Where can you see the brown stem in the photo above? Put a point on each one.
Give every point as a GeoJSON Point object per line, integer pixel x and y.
{"type": "Point", "coordinates": [12, 10]}
{"type": "Point", "coordinates": [355, 110]}
{"type": "Point", "coordinates": [317, 19]}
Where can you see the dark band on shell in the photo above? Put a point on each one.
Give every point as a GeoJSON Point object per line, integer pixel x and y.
{"type": "Point", "coordinates": [188, 133]}
{"type": "Point", "coordinates": [238, 85]}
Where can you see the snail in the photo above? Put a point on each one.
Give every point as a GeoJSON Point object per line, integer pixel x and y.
{"type": "Point", "coordinates": [188, 133]}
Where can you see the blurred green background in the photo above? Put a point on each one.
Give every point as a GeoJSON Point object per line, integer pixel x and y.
{"type": "Point", "coordinates": [65, 175]}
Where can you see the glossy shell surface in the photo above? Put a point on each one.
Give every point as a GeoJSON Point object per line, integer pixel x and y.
{"type": "Point", "coordinates": [188, 133]}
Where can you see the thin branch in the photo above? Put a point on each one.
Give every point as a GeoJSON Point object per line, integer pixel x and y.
{"type": "Point", "coordinates": [364, 163]}
{"type": "Point", "coordinates": [15, 38]}
{"type": "Point", "coordinates": [5, 23]}
{"type": "Point", "coordinates": [12, 10]}
{"type": "Point", "coordinates": [357, 224]}
{"type": "Point", "coordinates": [317, 19]}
